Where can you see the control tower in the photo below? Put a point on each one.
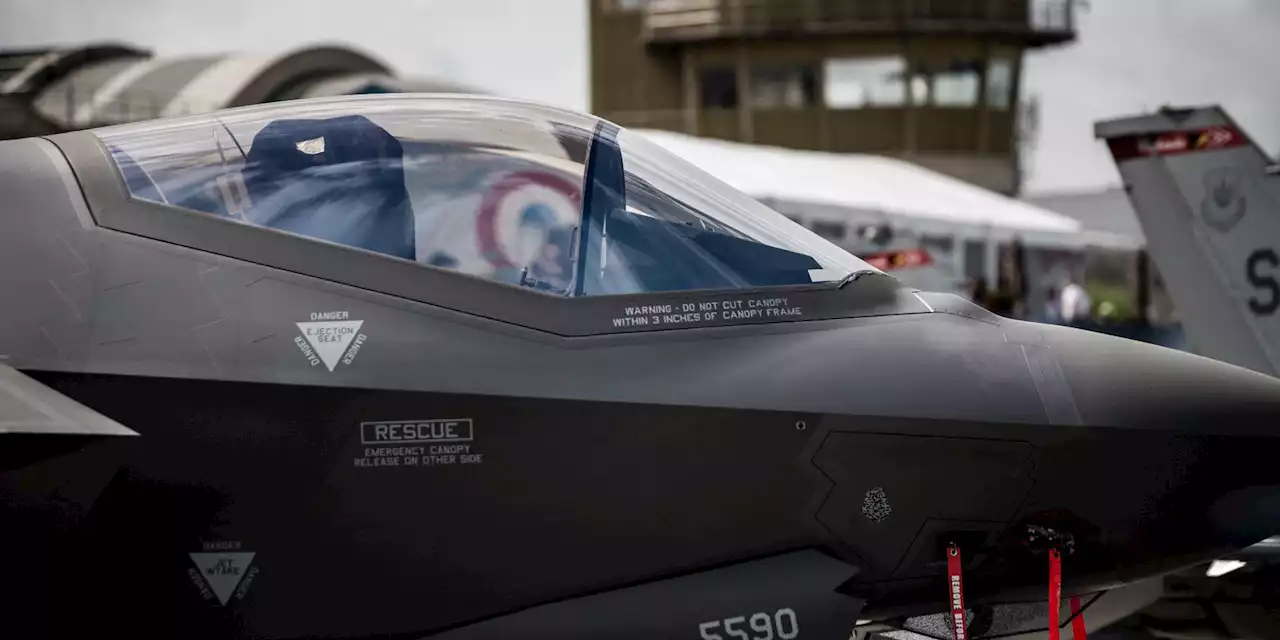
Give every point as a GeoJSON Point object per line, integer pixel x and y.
{"type": "Point", "coordinates": [932, 81]}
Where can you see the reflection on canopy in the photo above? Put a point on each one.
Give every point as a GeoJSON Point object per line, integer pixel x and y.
{"type": "Point", "coordinates": [522, 194]}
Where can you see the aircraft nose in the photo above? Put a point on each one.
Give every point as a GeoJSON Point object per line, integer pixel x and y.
{"type": "Point", "coordinates": [1124, 383]}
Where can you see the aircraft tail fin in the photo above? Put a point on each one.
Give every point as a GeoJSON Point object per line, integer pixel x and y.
{"type": "Point", "coordinates": [1208, 199]}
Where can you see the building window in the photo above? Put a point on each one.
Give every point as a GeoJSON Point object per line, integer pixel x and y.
{"type": "Point", "coordinates": [940, 248]}
{"type": "Point", "coordinates": [783, 87]}
{"type": "Point", "coordinates": [957, 86]}
{"type": "Point", "coordinates": [921, 89]}
{"type": "Point", "coordinates": [834, 231]}
{"type": "Point", "coordinates": [1000, 83]}
{"type": "Point", "coordinates": [625, 6]}
{"type": "Point", "coordinates": [719, 88]}
{"type": "Point", "coordinates": [851, 83]}
{"type": "Point", "coordinates": [975, 260]}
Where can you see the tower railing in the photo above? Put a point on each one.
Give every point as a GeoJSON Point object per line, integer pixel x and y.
{"type": "Point", "coordinates": [675, 21]}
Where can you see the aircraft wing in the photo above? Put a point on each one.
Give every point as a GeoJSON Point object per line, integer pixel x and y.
{"type": "Point", "coordinates": [1209, 203]}
{"type": "Point", "coordinates": [37, 422]}
{"type": "Point", "coordinates": [27, 406]}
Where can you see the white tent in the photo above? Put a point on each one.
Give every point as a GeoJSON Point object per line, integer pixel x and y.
{"type": "Point", "coordinates": [860, 186]}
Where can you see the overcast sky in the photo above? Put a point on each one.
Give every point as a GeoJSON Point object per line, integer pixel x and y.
{"type": "Point", "coordinates": [1132, 55]}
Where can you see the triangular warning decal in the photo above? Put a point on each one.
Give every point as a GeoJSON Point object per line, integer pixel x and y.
{"type": "Point", "coordinates": [330, 339]}
{"type": "Point", "coordinates": [223, 571]}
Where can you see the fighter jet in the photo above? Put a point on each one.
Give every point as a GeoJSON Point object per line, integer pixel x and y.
{"type": "Point", "coordinates": [405, 366]}
{"type": "Point", "coordinates": [1208, 199]}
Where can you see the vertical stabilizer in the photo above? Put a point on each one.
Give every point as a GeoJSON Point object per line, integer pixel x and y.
{"type": "Point", "coordinates": [1208, 200]}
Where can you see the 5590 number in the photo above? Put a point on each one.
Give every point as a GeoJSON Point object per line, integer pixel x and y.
{"type": "Point", "coordinates": [782, 624]}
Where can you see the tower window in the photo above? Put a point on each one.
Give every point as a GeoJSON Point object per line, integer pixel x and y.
{"type": "Point", "coordinates": [719, 88]}
{"type": "Point", "coordinates": [957, 85]}
{"type": "Point", "coordinates": [626, 6]}
{"type": "Point", "coordinates": [783, 86]}
{"type": "Point", "coordinates": [921, 92]}
{"type": "Point", "coordinates": [863, 82]}
{"type": "Point", "coordinates": [1000, 83]}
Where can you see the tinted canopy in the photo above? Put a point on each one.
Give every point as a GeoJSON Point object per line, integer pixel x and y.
{"type": "Point", "coordinates": [518, 193]}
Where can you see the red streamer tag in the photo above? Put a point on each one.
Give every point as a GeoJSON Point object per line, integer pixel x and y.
{"type": "Point", "coordinates": [1055, 591]}
{"type": "Point", "coordinates": [956, 589]}
{"type": "Point", "coordinates": [1077, 620]}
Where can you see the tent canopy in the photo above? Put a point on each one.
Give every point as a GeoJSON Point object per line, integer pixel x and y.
{"type": "Point", "coordinates": [863, 182]}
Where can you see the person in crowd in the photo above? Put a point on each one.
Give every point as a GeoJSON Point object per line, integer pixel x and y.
{"type": "Point", "coordinates": [1052, 314]}
{"type": "Point", "coordinates": [1074, 303]}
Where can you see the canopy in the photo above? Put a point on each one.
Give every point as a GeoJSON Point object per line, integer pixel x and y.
{"type": "Point", "coordinates": [861, 182]}
{"type": "Point", "coordinates": [523, 194]}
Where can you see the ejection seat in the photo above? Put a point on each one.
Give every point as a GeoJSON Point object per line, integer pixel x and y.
{"type": "Point", "coordinates": [337, 179]}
